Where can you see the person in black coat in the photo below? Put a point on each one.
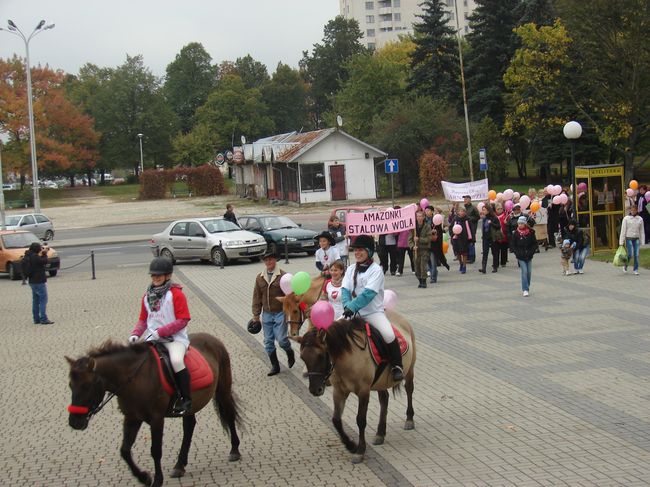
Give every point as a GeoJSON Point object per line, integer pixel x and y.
{"type": "Point", "coordinates": [230, 214]}
{"type": "Point", "coordinates": [552, 218]}
{"type": "Point", "coordinates": [35, 268]}
{"type": "Point", "coordinates": [524, 245]}
{"type": "Point", "coordinates": [491, 235]}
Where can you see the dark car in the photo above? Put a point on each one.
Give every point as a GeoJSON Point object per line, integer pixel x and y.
{"type": "Point", "coordinates": [274, 228]}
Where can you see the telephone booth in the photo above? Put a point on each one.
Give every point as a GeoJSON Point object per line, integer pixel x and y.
{"type": "Point", "coordinates": [601, 203]}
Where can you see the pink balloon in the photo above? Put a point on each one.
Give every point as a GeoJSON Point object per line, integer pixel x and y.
{"type": "Point", "coordinates": [582, 187]}
{"type": "Point", "coordinates": [437, 219]}
{"type": "Point", "coordinates": [516, 196]}
{"type": "Point", "coordinates": [557, 200]}
{"type": "Point", "coordinates": [322, 314]}
{"type": "Point", "coordinates": [508, 194]}
{"type": "Point", "coordinates": [647, 196]}
{"type": "Point", "coordinates": [390, 299]}
{"type": "Point", "coordinates": [629, 192]}
{"type": "Point", "coordinates": [457, 229]}
{"type": "Point", "coordinates": [524, 202]}
{"type": "Point", "coordinates": [499, 196]}
{"type": "Point", "coordinates": [509, 205]}
{"type": "Point", "coordinates": [285, 283]}
{"type": "Point", "coordinates": [557, 189]}
{"type": "Point", "coordinates": [549, 189]}
{"type": "Point", "coordinates": [564, 198]}
{"type": "Point", "coordinates": [424, 203]}
{"type": "Point", "coordinates": [480, 206]}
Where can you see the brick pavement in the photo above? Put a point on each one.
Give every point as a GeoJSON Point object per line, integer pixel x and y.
{"type": "Point", "coordinates": [546, 390]}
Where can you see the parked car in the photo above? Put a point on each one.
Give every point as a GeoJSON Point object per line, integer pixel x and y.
{"type": "Point", "coordinates": [341, 212]}
{"type": "Point", "coordinates": [13, 245]}
{"type": "Point", "coordinates": [9, 186]}
{"type": "Point", "coordinates": [213, 239]}
{"type": "Point", "coordinates": [37, 223]}
{"type": "Point", "coordinates": [274, 228]}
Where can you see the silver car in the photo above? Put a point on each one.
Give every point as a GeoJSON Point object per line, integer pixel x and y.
{"type": "Point", "coordinates": [208, 239]}
{"type": "Point", "coordinates": [37, 223]}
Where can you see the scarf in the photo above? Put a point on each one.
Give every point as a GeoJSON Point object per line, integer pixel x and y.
{"type": "Point", "coordinates": [155, 294]}
{"type": "Point", "coordinates": [360, 267]}
{"type": "Point", "coordinates": [523, 232]}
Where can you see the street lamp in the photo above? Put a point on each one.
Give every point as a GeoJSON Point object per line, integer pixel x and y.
{"type": "Point", "coordinates": [462, 83]}
{"type": "Point", "coordinates": [13, 29]}
{"type": "Point", "coordinates": [141, 160]}
{"type": "Point", "coordinates": [572, 131]}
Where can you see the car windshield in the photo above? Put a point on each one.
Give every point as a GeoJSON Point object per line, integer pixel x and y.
{"type": "Point", "coordinates": [217, 225]}
{"type": "Point", "coordinates": [277, 222]}
{"type": "Point", "coordinates": [19, 240]}
{"type": "Point", "coordinates": [12, 221]}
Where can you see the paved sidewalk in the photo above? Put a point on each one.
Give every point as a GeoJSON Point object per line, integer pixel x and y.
{"type": "Point", "coordinates": [546, 390]}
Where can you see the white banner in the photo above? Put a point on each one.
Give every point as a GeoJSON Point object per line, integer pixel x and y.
{"type": "Point", "coordinates": [478, 190]}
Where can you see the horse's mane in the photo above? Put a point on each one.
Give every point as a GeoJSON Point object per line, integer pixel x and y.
{"type": "Point", "coordinates": [340, 336]}
{"type": "Point", "coordinates": [110, 347]}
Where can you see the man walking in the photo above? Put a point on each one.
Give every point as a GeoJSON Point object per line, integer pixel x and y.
{"type": "Point", "coordinates": [472, 217]}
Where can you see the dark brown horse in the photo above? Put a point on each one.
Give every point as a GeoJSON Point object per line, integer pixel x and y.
{"type": "Point", "coordinates": [341, 354]}
{"type": "Point", "coordinates": [131, 374]}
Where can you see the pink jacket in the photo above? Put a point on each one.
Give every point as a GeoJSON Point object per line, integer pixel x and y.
{"type": "Point", "coordinates": [403, 239]}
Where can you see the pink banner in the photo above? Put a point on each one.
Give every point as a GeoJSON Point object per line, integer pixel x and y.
{"type": "Point", "coordinates": [381, 222]}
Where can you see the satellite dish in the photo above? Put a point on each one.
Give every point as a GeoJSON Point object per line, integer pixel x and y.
{"type": "Point", "coordinates": [339, 120]}
{"type": "Point", "coordinates": [243, 140]}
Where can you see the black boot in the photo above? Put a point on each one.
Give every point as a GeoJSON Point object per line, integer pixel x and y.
{"type": "Point", "coordinates": [291, 358]}
{"type": "Point", "coordinates": [482, 269]}
{"type": "Point", "coordinates": [275, 365]}
{"type": "Point", "coordinates": [183, 381]}
{"type": "Point", "coordinates": [423, 283]}
{"type": "Point", "coordinates": [397, 370]}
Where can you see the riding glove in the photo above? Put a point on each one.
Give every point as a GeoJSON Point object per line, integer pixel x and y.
{"type": "Point", "coordinates": [133, 338]}
{"type": "Point", "coordinates": [154, 337]}
{"type": "Point", "coordinates": [348, 313]}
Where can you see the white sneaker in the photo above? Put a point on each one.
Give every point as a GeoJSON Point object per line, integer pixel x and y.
{"type": "Point", "coordinates": [579, 272]}
{"type": "Point", "coordinates": [525, 294]}
{"type": "Point", "coordinates": [625, 270]}
{"type": "Point", "coordinates": [398, 274]}
{"type": "Point", "coordinates": [636, 273]}
{"type": "Point", "coordinates": [428, 274]}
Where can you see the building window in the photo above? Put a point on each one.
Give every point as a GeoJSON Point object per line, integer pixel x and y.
{"type": "Point", "coordinates": [371, 46]}
{"type": "Point", "coordinates": [397, 17]}
{"type": "Point", "coordinates": [385, 17]}
{"type": "Point", "coordinates": [386, 29]}
{"type": "Point", "coordinates": [370, 19]}
{"type": "Point", "coordinates": [370, 5]}
{"type": "Point", "coordinates": [370, 33]}
{"type": "Point", "coordinates": [466, 15]}
{"type": "Point", "coordinates": [450, 3]}
{"type": "Point", "coordinates": [384, 3]}
{"type": "Point", "coordinates": [465, 3]}
{"type": "Point", "coordinates": [312, 177]}
{"type": "Point", "coordinates": [396, 3]}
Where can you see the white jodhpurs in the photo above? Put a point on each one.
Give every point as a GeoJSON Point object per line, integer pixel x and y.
{"type": "Point", "coordinates": [380, 323]}
{"type": "Point", "coordinates": [176, 355]}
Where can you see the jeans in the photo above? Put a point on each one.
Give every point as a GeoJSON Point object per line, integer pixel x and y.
{"type": "Point", "coordinates": [275, 329]}
{"type": "Point", "coordinates": [471, 252]}
{"type": "Point", "coordinates": [526, 267]}
{"type": "Point", "coordinates": [39, 302]}
{"type": "Point", "coordinates": [579, 257]}
{"type": "Point", "coordinates": [433, 267]}
{"type": "Point", "coordinates": [632, 245]}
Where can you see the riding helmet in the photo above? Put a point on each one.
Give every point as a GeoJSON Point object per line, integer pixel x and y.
{"type": "Point", "coordinates": [325, 234]}
{"type": "Point", "coordinates": [364, 242]}
{"type": "Point", "coordinates": [161, 266]}
{"type": "Point", "coordinates": [254, 326]}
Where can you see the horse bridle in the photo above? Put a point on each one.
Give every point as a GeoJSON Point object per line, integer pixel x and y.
{"type": "Point", "coordinates": [330, 369]}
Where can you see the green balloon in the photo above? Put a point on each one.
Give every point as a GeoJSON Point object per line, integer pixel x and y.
{"type": "Point", "coordinates": [300, 282]}
{"type": "Point", "coordinates": [445, 237]}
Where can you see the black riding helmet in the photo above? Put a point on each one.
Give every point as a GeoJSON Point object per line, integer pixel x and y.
{"type": "Point", "coordinates": [364, 242]}
{"type": "Point", "coordinates": [161, 266]}
{"type": "Point", "coordinates": [254, 326]}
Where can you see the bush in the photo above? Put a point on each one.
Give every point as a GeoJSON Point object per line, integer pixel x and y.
{"type": "Point", "coordinates": [433, 170]}
{"type": "Point", "coordinates": [204, 180]}
{"type": "Point", "coordinates": [153, 184]}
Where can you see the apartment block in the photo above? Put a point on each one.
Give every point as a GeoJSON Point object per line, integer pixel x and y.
{"type": "Point", "coordinates": [383, 21]}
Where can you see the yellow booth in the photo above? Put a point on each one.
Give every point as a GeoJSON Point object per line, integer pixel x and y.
{"type": "Point", "coordinates": [601, 203]}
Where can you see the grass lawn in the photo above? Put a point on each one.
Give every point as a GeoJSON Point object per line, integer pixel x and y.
{"type": "Point", "coordinates": [644, 257]}
{"type": "Point", "coordinates": [118, 192]}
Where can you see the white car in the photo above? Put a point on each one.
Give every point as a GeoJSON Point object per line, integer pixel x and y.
{"type": "Point", "coordinates": [209, 239]}
{"type": "Point", "coordinates": [37, 223]}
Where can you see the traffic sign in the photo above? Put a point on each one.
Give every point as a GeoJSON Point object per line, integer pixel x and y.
{"type": "Point", "coordinates": [482, 157]}
{"type": "Point", "coordinates": [220, 159]}
{"type": "Point", "coordinates": [391, 166]}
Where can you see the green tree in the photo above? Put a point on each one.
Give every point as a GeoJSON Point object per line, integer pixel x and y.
{"type": "Point", "coordinates": [488, 136]}
{"type": "Point", "coordinates": [435, 58]}
{"type": "Point", "coordinates": [189, 80]}
{"type": "Point", "coordinates": [286, 98]}
{"type": "Point", "coordinates": [325, 68]}
{"type": "Point", "coordinates": [538, 12]}
{"type": "Point", "coordinates": [253, 73]}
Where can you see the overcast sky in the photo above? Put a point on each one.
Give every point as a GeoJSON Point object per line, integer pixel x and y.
{"type": "Point", "coordinates": [103, 32]}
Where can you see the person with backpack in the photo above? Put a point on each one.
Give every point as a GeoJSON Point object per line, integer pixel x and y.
{"type": "Point", "coordinates": [33, 268]}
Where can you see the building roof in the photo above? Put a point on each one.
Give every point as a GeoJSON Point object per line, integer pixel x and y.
{"type": "Point", "coordinates": [289, 147]}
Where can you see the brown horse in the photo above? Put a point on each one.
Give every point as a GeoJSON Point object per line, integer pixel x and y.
{"type": "Point", "coordinates": [340, 353]}
{"type": "Point", "coordinates": [131, 374]}
{"type": "Point", "coordinates": [295, 313]}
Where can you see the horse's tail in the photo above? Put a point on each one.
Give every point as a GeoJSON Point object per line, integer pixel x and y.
{"type": "Point", "coordinates": [225, 402]}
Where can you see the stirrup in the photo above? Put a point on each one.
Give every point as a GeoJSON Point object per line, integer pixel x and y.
{"type": "Point", "coordinates": [184, 407]}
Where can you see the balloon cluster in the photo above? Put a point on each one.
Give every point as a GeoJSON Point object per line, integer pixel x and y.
{"type": "Point", "coordinates": [298, 283]}
{"type": "Point", "coordinates": [633, 188]}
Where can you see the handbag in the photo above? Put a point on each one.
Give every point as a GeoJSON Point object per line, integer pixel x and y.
{"type": "Point", "coordinates": [620, 258]}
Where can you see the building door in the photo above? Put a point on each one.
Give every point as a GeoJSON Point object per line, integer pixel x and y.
{"type": "Point", "coordinates": [337, 183]}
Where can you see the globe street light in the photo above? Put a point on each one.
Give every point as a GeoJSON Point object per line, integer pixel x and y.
{"type": "Point", "coordinates": [141, 160]}
{"type": "Point", "coordinates": [572, 131]}
{"type": "Point", "coordinates": [13, 29]}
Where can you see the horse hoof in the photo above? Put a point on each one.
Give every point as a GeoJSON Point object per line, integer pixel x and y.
{"type": "Point", "coordinates": [177, 473]}
{"type": "Point", "coordinates": [145, 478]}
{"type": "Point", "coordinates": [379, 440]}
{"type": "Point", "coordinates": [409, 425]}
{"type": "Point", "coordinates": [234, 457]}
{"type": "Point", "coordinates": [357, 458]}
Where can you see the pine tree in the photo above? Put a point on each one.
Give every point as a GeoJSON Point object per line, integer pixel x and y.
{"type": "Point", "coordinates": [435, 58]}
{"type": "Point", "coordinates": [493, 43]}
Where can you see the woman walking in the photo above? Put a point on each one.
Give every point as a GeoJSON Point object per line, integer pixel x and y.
{"type": "Point", "coordinates": [632, 236]}
{"type": "Point", "coordinates": [491, 228]}
{"type": "Point", "coordinates": [420, 241]}
{"type": "Point", "coordinates": [524, 245]}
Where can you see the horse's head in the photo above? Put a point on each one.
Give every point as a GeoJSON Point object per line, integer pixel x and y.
{"type": "Point", "coordinates": [295, 312]}
{"type": "Point", "coordinates": [87, 391]}
{"type": "Point", "coordinates": [313, 351]}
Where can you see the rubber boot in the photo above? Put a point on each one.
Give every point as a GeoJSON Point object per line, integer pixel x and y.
{"type": "Point", "coordinates": [291, 358]}
{"type": "Point", "coordinates": [397, 369]}
{"type": "Point", "coordinates": [183, 381]}
{"type": "Point", "coordinates": [275, 365]}
{"type": "Point", "coordinates": [422, 283]}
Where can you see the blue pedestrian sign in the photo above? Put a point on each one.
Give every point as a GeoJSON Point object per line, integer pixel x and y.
{"type": "Point", "coordinates": [391, 166]}
{"type": "Point", "coordinates": [482, 157]}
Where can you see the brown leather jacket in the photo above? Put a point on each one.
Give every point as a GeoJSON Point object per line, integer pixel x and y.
{"type": "Point", "coordinates": [265, 292]}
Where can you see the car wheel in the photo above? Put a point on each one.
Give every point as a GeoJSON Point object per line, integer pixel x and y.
{"type": "Point", "coordinates": [167, 254]}
{"type": "Point", "coordinates": [14, 272]}
{"type": "Point", "coordinates": [53, 273]}
{"type": "Point", "coordinates": [218, 256]}
{"type": "Point", "coordinates": [49, 235]}
{"type": "Point", "coordinates": [311, 252]}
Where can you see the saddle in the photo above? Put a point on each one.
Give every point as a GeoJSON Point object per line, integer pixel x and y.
{"type": "Point", "coordinates": [201, 375]}
{"type": "Point", "coordinates": [378, 347]}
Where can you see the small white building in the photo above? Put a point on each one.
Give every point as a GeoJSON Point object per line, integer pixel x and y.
{"type": "Point", "coordinates": [323, 165]}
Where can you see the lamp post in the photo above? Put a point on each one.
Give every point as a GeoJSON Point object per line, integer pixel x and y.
{"type": "Point", "coordinates": [2, 195]}
{"type": "Point", "coordinates": [572, 131]}
{"type": "Point", "coordinates": [462, 82]}
{"type": "Point", "coordinates": [141, 159]}
{"type": "Point", "coordinates": [13, 29]}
